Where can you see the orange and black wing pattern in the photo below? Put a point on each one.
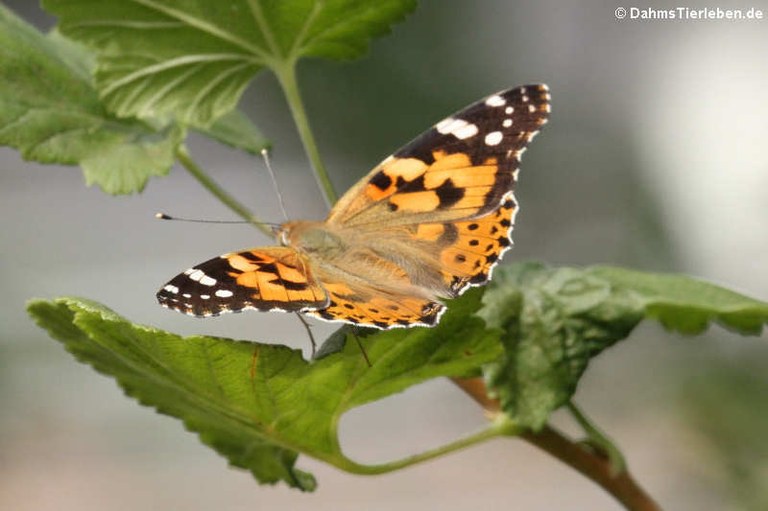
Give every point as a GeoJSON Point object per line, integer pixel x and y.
{"type": "Point", "coordinates": [461, 168]}
{"type": "Point", "coordinates": [265, 279]}
{"type": "Point", "coordinates": [425, 224]}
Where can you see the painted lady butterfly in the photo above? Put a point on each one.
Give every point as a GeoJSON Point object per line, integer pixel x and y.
{"type": "Point", "coordinates": [425, 224]}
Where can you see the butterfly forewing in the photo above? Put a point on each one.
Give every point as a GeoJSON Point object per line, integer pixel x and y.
{"type": "Point", "coordinates": [459, 169]}
{"type": "Point", "coordinates": [269, 278]}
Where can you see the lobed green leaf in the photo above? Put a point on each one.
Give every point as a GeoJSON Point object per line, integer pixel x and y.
{"type": "Point", "coordinates": [236, 130]}
{"type": "Point", "coordinates": [193, 58]}
{"type": "Point", "coordinates": [51, 113]}
{"type": "Point", "coordinates": [258, 404]}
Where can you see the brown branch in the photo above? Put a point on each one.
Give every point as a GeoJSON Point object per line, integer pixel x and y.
{"type": "Point", "coordinates": [589, 463]}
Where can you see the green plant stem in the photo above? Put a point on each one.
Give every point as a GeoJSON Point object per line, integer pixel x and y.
{"type": "Point", "coordinates": [498, 428]}
{"type": "Point", "coordinates": [597, 468]}
{"type": "Point", "coordinates": [590, 464]}
{"type": "Point", "coordinates": [212, 186]}
{"type": "Point", "coordinates": [599, 440]}
{"type": "Point", "coordinates": [286, 75]}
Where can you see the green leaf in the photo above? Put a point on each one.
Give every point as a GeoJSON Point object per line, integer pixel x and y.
{"type": "Point", "coordinates": [194, 58]}
{"type": "Point", "coordinates": [688, 305]}
{"type": "Point", "coordinates": [236, 130]}
{"type": "Point", "coordinates": [556, 319]}
{"type": "Point", "coordinates": [51, 113]}
{"type": "Point", "coordinates": [257, 404]}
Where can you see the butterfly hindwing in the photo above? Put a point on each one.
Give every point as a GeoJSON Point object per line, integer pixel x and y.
{"type": "Point", "coordinates": [269, 278]}
{"type": "Point", "coordinates": [366, 304]}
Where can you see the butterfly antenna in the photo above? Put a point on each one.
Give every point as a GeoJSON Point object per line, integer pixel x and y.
{"type": "Point", "coordinates": [163, 216]}
{"type": "Point", "coordinates": [265, 155]}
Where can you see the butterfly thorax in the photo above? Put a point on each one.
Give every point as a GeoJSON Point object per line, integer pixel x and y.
{"type": "Point", "coordinates": [311, 238]}
{"type": "Point", "coordinates": [348, 252]}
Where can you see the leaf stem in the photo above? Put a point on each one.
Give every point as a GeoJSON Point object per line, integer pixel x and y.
{"type": "Point", "coordinates": [286, 75]}
{"type": "Point", "coordinates": [599, 440]}
{"type": "Point", "coordinates": [497, 428]}
{"type": "Point", "coordinates": [589, 463]}
{"type": "Point", "coordinates": [212, 186]}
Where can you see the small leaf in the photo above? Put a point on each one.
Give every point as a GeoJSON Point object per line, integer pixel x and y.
{"type": "Point", "coordinates": [236, 130]}
{"type": "Point", "coordinates": [257, 404]}
{"type": "Point", "coordinates": [556, 319]}
{"type": "Point", "coordinates": [194, 58]}
{"type": "Point", "coordinates": [51, 113]}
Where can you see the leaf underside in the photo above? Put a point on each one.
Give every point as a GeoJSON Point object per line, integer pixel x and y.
{"type": "Point", "coordinates": [51, 113]}
{"type": "Point", "coordinates": [192, 59]}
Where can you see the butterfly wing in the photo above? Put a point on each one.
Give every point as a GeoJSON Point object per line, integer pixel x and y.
{"type": "Point", "coordinates": [432, 260]}
{"type": "Point", "coordinates": [461, 168]}
{"type": "Point", "coordinates": [441, 207]}
{"type": "Point", "coordinates": [376, 304]}
{"type": "Point", "coordinates": [468, 251]}
{"type": "Point", "coordinates": [269, 278]}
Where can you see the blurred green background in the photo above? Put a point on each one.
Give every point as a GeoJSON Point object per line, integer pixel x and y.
{"type": "Point", "coordinates": [654, 158]}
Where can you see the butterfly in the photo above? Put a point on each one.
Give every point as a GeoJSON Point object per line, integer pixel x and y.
{"type": "Point", "coordinates": [424, 225]}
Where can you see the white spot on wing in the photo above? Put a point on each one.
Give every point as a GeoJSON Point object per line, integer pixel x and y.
{"type": "Point", "coordinates": [495, 100]}
{"type": "Point", "coordinates": [493, 138]}
{"type": "Point", "coordinates": [470, 130]}
{"type": "Point", "coordinates": [223, 293]}
{"type": "Point", "coordinates": [446, 125]}
{"type": "Point", "coordinates": [207, 281]}
{"type": "Point", "coordinates": [205, 297]}
{"type": "Point", "coordinates": [171, 289]}
{"type": "Point", "coordinates": [187, 295]}
{"type": "Point", "coordinates": [507, 123]}
{"type": "Point", "coordinates": [459, 128]}
{"type": "Point", "coordinates": [531, 108]}
{"type": "Point", "coordinates": [196, 275]}
{"type": "Point", "coordinates": [509, 110]}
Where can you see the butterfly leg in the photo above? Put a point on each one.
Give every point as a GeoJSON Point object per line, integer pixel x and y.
{"type": "Point", "coordinates": [308, 328]}
{"type": "Point", "coordinates": [362, 349]}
